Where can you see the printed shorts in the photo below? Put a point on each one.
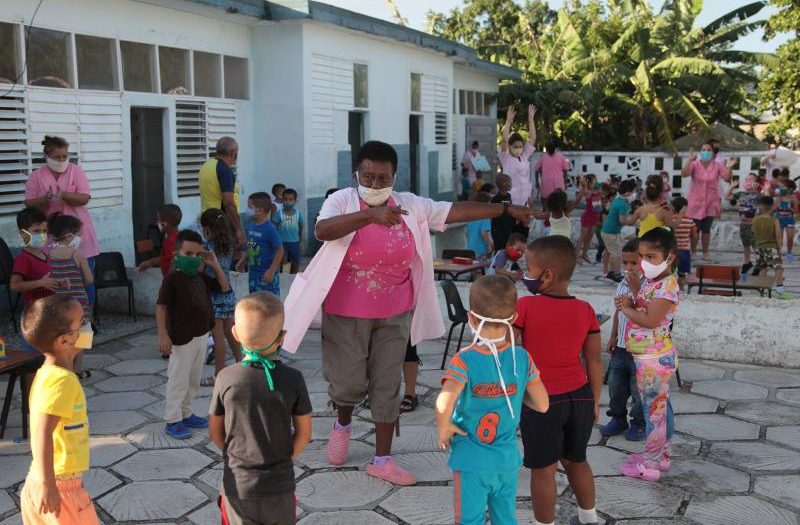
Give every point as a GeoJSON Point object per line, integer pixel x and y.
{"type": "Point", "coordinates": [747, 235]}
{"type": "Point", "coordinates": [768, 258]}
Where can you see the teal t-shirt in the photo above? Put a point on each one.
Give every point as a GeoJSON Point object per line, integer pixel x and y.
{"type": "Point", "coordinates": [475, 241]}
{"type": "Point", "coordinates": [481, 410]}
{"type": "Point", "coordinates": [619, 207]}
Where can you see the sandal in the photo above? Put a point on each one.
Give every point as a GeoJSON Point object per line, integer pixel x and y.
{"type": "Point", "coordinates": [409, 403]}
{"type": "Point", "coordinates": [207, 381]}
{"type": "Point", "coordinates": [84, 374]}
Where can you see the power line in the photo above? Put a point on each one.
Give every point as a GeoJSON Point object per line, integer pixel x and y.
{"type": "Point", "coordinates": [25, 51]}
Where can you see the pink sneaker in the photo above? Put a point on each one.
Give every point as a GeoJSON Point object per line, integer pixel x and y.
{"type": "Point", "coordinates": [339, 445]}
{"type": "Point", "coordinates": [663, 465]}
{"type": "Point", "coordinates": [639, 471]}
{"type": "Point", "coordinates": [392, 472]}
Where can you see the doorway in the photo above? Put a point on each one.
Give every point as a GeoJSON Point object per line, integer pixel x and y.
{"type": "Point", "coordinates": [484, 130]}
{"type": "Point", "coordinates": [355, 135]}
{"type": "Point", "coordinates": [147, 177]}
{"type": "Point", "coordinates": [414, 132]}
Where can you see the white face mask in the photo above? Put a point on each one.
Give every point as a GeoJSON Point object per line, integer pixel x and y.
{"type": "Point", "coordinates": [57, 166]}
{"type": "Point", "coordinates": [75, 242]}
{"type": "Point", "coordinates": [490, 344]}
{"type": "Point", "coordinates": [374, 197]}
{"type": "Point", "coordinates": [651, 271]}
{"type": "Point", "coordinates": [631, 197]}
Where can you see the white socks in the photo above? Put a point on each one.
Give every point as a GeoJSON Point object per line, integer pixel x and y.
{"type": "Point", "coordinates": [542, 523]}
{"type": "Point", "coordinates": [587, 516]}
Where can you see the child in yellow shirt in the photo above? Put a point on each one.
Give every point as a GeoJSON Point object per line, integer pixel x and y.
{"type": "Point", "coordinates": [53, 492]}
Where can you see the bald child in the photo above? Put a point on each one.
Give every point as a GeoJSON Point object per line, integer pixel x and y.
{"type": "Point", "coordinates": [260, 417]}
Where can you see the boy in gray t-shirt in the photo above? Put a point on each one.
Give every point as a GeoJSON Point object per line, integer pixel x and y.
{"type": "Point", "coordinates": [254, 407]}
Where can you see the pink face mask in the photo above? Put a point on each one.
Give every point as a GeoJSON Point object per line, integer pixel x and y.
{"type": "Point", "coordinates": [750, 184]}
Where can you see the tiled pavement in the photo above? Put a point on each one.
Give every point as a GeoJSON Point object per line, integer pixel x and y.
{"type": "Point", "coordinates": [737, 453]}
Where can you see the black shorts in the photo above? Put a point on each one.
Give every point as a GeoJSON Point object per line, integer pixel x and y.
{"type": "Point", "coordinates": [411, 354]}
{"type": "Point", "coordinates": [562, 432]}
{"type": "Point", "coordinates": [704, 225]}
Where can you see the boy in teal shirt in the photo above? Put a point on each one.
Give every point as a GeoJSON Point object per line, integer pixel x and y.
{"type": "Point", "coordinates": [480, 404]}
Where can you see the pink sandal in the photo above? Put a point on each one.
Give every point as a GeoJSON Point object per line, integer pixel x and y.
{"type": "Point", "coordinates": [663, 465]}
{"type": "Point", "coordinates": [640, 471]}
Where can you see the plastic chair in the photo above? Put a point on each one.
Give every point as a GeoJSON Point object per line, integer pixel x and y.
{"type": "Point", "coordinates": [457, 314]}
{"type": "Point", "coordinates": [6, 265]}
{"type": "Point", "coordinates": [109, 272]}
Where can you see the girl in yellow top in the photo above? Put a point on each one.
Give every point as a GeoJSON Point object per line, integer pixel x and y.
{"type": "Point", "coordinates": [653, 214]}
{"type": "Point", "coordinates": [53, 492]}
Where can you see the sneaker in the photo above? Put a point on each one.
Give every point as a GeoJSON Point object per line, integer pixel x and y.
{"type": "Point", "coordinates": [783, 295]}
{"type": "Point", "coordinates": [746, 267]}
{"type": "Point", "coordinates": [618, 277]}
{"type": "Point", "coordinates": [392, 472]}
{"type": "Point", "coordinates": [790, 257]}
{"type": "Point", "coordinates": [177, 430]}
{"type": "Point", "coordinates": [663, 465]}
{"type": "Point", "coordinates": [194, 421]}
{"type": "Point", "coordinates": [576, 521]}
{"type": "Point", "coordinates": [614, 427]}
{"type": "Point", "coordinates": [639, 471]}
{"type": "Point", "coordinates": [634, 433]}
{"type": "Point", "coordinates": [339, 445]}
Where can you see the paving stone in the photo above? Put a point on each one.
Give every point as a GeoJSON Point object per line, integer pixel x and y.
{"type": "Point", "coordinates": [152, 465]}
{"type": "Point", "coordinates": [430, 378]}
{"type": "Point", "coordinates": [6, 503]}
{"type": "Point", "coordinates": [414, 438]}
{"type": "Point", "coordinates": [206, 515]}
{"type": "Point", "coordinates": [319, 403]}
{"type": "Point", "coordinates": [682, 446]}
{"type": "Point", "coordinates": [426, 466]}
{"type": "Point", "coordinates": [738, 510]}
{"type": "Point", "coordinates": [152, 500]}
{"type": "Point", "coordinates": [212, 477]}
{"type": "Point", "coordinates": [200, 406]}
{"type": "Point", "coordinates": [321, 429]}
{"type": "Point", "coordinates": [130, 383]}
{"type": "Point", "coordinates": [656, 521]}
{"type": "Point", "coordinates": [9, 447]}
{"type": "Point", "coordinates": [715, 427]}
{"type": "Point", "coordinates": [118, 422]}
{"type": "Point", "coordinates": [780, 488]}
{"type": "Point", "coordinates": [789, 436]}
{"type": "Point", "coordinates": [16, 519]}
{"type": "Point", "coordinates": [684, 403]}
{"type": "Point", "coordinates": [769, 378]}
{"type": "Point", "coordinates": [106, 450]}
{"type": "Point", "coordinates": [696, 371]}
{"type": "Point", "coordinates": [524, 483]}
{"type": "Point", "coordinates": [98, 361]}
{"type": "Point", "coordinates": [565, 511]}
{"type": "Point", "coordinates": [789, 395]}
{"type": "Point", "coordinates": [153, 436]}
{"type": "Point", "coordinates": [340, 490]}
{"type": "Point", "coordinates": [705, 476]}
{"type": "Point", "coordinates": [355, 517]}
{"type": "Point", "coordinates": [98, 481]}
{"type": "Point", "coordinates": [15, 469]}
{"type": "Point", "coordinates": [316, 455]}
{"type": "Point", "coordinates": [621, 497]}
{"type": "Point", "coordinates": [764, 413]}
{"type": "Point", "coordinates": [729, 389]}
{"type": "Point", "coordinates": [138, 366]}
{"type": "Point", "coordinates": [119, 401]}
{"type": "Point", "coordinates": [756, 456]}
{"type": "Point", "coordinates": [422, 505]}
{"type": "Point", "coordinates": [605, 461]}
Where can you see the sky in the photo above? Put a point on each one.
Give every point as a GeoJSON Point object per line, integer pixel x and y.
{"type": "Point", "coordinates": [415, 10]}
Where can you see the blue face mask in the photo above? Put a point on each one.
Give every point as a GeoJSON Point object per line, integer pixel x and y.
{"type": "Point", "coordinates": [706, 156]}
{"type": "Point", "coordinates": [288, 205]}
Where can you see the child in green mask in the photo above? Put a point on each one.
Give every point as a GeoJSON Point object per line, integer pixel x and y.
{"type": "Point", "coordinates": [184, 317]}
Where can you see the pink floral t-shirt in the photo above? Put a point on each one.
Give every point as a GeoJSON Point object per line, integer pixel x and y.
{"type": "Point", "coordinates": [374, 281]}
{"type": "Point", "coordinates": [654, 341]}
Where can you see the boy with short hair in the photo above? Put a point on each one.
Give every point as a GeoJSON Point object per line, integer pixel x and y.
{"type": "Point", "coordinates": [290, 222]}
{"type": "Point", "coordinates": [767, 230]}
{"type": "Point", "coordinates": [184, 318]}
{"type": "Point", "coordinates": [621, 368]}
{"type": "Point", "coordinates": [277, 193]}
{"type": "Point", "coordinates": [53, 492]}
{"type": "Point", "coordinates": [684, 229]}
{"type": "Point", "coordinates": [505, 262]}
{"type": "Point", "coordinates": [502, 226]}
{"type": "Point", "coordinates": [617, 217]}
{"type": "Point", "coordinates": [168, 218]}
{"type": "Point", "coordinates": [557, 330]}
{"type": "Point", "coordinates": [264, 246]}
{"type": "Point", "coordinates": [479, 239]}
{"type": "Point", "coordinates": [30, 274]}
{"type": "Point", "coordinates": [748, 207]}
{"type": "Point", "coordinates": [255, 405]}
{"type": "Point", "coordinates": [480, 403]}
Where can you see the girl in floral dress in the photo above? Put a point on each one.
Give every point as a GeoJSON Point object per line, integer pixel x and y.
{"type": "Point", "coordinates": [649, 339]}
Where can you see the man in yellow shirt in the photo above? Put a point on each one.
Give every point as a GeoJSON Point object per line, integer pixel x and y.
{"type": "Point", "coordinates": [53, 492]}
{"type": "Point", "coordinates": [218, 185]}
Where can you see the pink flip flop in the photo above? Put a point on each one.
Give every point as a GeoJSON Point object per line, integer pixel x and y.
{"type": "Point", "coordinates": [639, 471]}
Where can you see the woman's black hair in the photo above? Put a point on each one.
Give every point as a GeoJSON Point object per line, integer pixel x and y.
{"type": "Point", "coordinates": [514, 138]}
{"type": "Point", "coordinates": [60, 225]}
{"type": "Point", "coordinates": [661, 239]}
{"type": "Point", "coordinates": [52, 142]}
{"type": "Point", "coordinates": [219, 228]}
{"type": "Point", "coordinates": [379, 152]}
{"type": "Point", "coordinates": [557, 201]}
{"type": "Point", "coordinates": [654, 188]}
{"type": "Point", "coordinates": [551, 145]}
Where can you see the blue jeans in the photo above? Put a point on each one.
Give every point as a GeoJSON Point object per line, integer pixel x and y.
{"type": "Point", "coordinates": [90, 289]}
{"type": "Point", "coordinates": [621, 385]}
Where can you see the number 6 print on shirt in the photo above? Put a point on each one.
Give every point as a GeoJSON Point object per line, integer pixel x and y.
{"type": "Point", "coordinates": [487, 427]}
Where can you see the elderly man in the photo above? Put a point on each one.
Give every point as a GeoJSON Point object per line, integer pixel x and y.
{"type": "Point", "coordinates": [218, 186]}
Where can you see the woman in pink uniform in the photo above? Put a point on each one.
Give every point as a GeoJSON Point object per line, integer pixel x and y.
{"type": "Point", "coordinates": [704, 197]}
{"type": "Point", "coordinates": [373, 279]}
{"type": "Point", "coordinates": [551, 166]}
{"type": "Point", "coordinates": [61, 186]}
{"type": "Point", "coordinates": [515, 162]}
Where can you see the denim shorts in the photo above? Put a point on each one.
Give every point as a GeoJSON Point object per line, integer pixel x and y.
{"type": "Point", "coordinates": [684, 263]}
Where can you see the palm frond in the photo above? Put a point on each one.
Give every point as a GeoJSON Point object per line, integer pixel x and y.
{"type": "Point", "coordinates": [740, 14]}
{"type": "Point", "coordinates": [677, 66]}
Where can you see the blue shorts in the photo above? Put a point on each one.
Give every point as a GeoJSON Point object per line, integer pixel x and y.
{"type": "Point", "coordinates": [292, 250]}
{"type": "Point", "coordinates": [786, 221]}
{"type": "Point", "coordinates": [477, 491]}
{"type": "Point", "coordinates": [684, 263]}
{"type": "Point", "coordinates": [258, 285]}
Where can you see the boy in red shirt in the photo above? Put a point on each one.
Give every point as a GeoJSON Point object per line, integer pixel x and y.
{"type": "Point", "coordinates": [557, 329]}
{"type": "Point", "coordinates": [168, 218]}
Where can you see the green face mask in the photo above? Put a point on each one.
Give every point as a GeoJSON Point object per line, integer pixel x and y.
{"type": "Point", "coordinates": [188, 264]}
{"type": "Point", "coordinates": [253, 355]}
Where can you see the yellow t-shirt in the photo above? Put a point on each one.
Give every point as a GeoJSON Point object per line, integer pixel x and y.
{"type": "Point", "coordinates": [57, 391]}
{"type": "Point", "coordinates": [215, 178]}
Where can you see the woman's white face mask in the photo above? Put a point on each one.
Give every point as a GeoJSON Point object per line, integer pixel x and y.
{"type": "Point", "coordinates": [374, 197]}
{"type": "Point", "coordinates": [57, 166]}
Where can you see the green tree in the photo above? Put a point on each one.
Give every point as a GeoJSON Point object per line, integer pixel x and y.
{"type": "Point", "coordinates": [779, 88]}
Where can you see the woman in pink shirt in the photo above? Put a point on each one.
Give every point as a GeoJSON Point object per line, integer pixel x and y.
{"type": "Point", "coordinates": [61, 186]}
{"type": "Point", "coordinates": [373, 279]}
{"type": "Point", "coordinates": [551, 166]}
{"type": "Point", "coordinates": [515, 162]}
{"type": "Point", "coordinates": [704, 197]}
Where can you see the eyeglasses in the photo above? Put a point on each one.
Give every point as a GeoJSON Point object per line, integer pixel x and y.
{"type": "Point", "coordinates": [370, 178]}
{"type": "Point", "coordinates": [84, 323]}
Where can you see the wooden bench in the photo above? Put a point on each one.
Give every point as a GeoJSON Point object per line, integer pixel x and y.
{"type": "Point", "coordinates": [760, 283]}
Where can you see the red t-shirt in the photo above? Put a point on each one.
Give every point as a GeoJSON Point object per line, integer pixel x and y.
{"type": "Point", "coordinates": [554, 330]}
{"type": "Point", "coordinates": [168, 252]}
{"type": "Point", "coordinates": [31, 268]}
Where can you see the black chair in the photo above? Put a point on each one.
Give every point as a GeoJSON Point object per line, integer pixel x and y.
{"type": "Point", "coordinates": [457, 314]}
{"type": "Point", "coordinates": [6, 265]}
{"type": "Point", "coordinates": [449, 254]}
{"type": "Point", "coordinates": [109, 272]}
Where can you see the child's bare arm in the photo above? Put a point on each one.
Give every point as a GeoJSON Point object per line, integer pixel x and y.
{"type": "Point", "coordinates": [487, 239]}
{"type": "Point", "coordinates": [778, 235]}
{"type": "Point", "coordinates": [216, 430]}
{"type": "Point", "coordinates": [152, 262]}
{"type": "Point", "coordinates": [445, 405]}
{"type": "Point", "coordinates": [211, 260]}
{"type": "Point", "coordinates": [536, 396]}
{"type": "Point", "coordinates": [164, 341]}
{"type": "Point", "coordinates": [83, 263]}
{"type": "Point", "coordinates": [276, 263]}
{"type": "Point", "coordinates": [42, 451]}
{"type": "Point", "coordinates": [612, 340]}
{"type": "Point", "coordinates": [594, 368]}
{"type": "Point", "coordinates": [656, 310]}
{"type": "Point", "coordinates": [508, 273]}
{"type": "Point", "coordinates": [541, 214]}
{"type": "Point", "coordinates": [19, 285]}
{"type": "Point", "coordinates": [302, 433]}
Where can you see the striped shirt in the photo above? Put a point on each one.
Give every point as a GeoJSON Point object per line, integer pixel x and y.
{"type": "Point", "coordinates": [683, 233]}
{"type": "Point", "coordinates": [68, 271]}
